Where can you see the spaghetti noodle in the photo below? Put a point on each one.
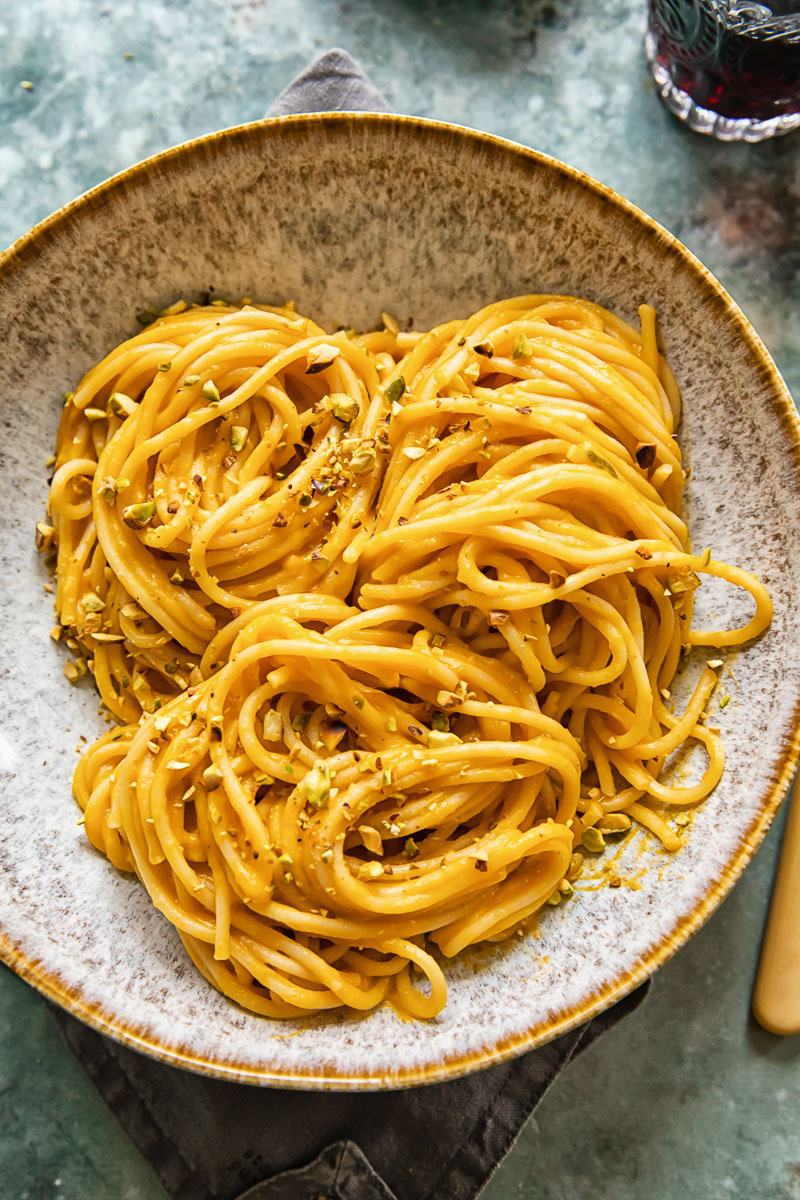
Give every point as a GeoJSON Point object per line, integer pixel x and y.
{"type": "Point", "coordinates": [390, 721]}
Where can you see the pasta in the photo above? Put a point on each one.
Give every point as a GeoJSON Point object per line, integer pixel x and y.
{"type": "Point", "coordinates": [390, 623]}
{"type": "Point", "coordinates": [199, 470]}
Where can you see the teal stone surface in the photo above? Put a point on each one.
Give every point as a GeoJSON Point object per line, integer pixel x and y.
{"type": "Point", "coordinates": [686, 1098]}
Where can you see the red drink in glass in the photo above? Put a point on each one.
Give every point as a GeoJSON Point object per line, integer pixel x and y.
{"type": "Point", "coordinates": [728, 68]}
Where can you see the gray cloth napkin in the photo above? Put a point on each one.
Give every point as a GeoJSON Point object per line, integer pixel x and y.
{"type": "Point", "coordinates": [209, 1140]}
{"type": "Point", "coordinates": [331, 83]}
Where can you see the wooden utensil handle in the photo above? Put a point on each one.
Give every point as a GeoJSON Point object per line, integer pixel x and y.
{"type": "Point", "coordinates": [776, 999]}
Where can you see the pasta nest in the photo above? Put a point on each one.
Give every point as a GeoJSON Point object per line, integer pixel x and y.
{"type": "Point", "coordinates": [344, 776]}
{"type": "Point", "coordinates": [390, 621]}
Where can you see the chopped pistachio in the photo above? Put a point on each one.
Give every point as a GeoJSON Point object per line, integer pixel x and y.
{"type": "Point", "coordinates": [485, 349]}
{"type": "Point", "coordinates": [440, 722]}
{"type": "Point", "coordinates": [358, 700]}
{"type": "Point", "coordinates": [121, 405]}
{"type": "Point", "coordinates": [438, 737]}
{"type": "Point", "coordinates": [370, 870]}
{"type": "Point", "coordinates": [212, 778]}
{"type": "Point", "coordinates": [300, 720]}
{"type": "Point", "coordinates": [601, 462]}
{"type": "Point", "coordinates": [210, 392]}
{"type": "Point", "coordinates": [133, 612]}
{"type": "Point", "coordinates": [344, 407]}
{"type": "Point", "coordinates": [447, 699]}
{"type": "Point", "coordinates": [725, 701]}
{"type": "Point", "coordinates": [95, 414]}
{"type": "Point", "coordinates": [554, 898]}
{"type": "Point", "coordinates": [190, 380]}
{"type": "Point", "coordinates": [566, 888]}
{"type": "Point", "coordinates": [176, 577]}
{"type": "Point", "coordinates": [362, 462]}
{"type": "Point", "coordinates": [321, 356]}
{"type": "Point", "coordinates": [682, 819]}
{"type": "Point", "coordinates": [238, 436]}
{"type": "Point", "coordinates": [410, 849]}
{"type": "Point", "coordinates": [521, 347]}
{"type": "Point", "coordinates": [326, 855]}
{"type": "Point", "coordinates": [71, 671]}
{"type": "Point", "coordinates": [91, 603]}
{"type": "Point", "coordinates": [391, 724]}
{"type": "Point", "coordinates": [50, 460]}
{"type": "Point", "coordinates": [714, 663]}
{"type": "Point", "coordinates": [162, 723]}
{"type": "Point", "coordinates": [395, 390]}
{"type": "Point", "coordinates": [414, 452]}
{"type": "Point", "coordinates": [437, 641]}
{"type": "Point", "coordinates": [26, 85]}
{"type": "Point", "coordinates": [136, 516]}
{"type": "Point", "coordinates": [705, 557]}
{"type": "Point", "coordinates": [317, 786]}
{"type": "Point", "coordinates": [44, 535]}
{"type": "Point", "coordinates": [371, 839]}
{"type": "Point", "coordinates": [108, 492]}
{"type": "Point", "coordinates": [273, 726]}
{"type": "Point", "coordinates": [682, 580]}
{"type": "Point", "coordinates": [575, 865]}
{"type": "Point", "coordinates": [56, 632]}
{"type": "Point", "coordinates": [172, 668]}
{"type": "Point", "coordinates": [614, 823]}
{"type": "Point", "coordinates": [593, 839]}
{"type": "Point", "coordinates": [165, 366]}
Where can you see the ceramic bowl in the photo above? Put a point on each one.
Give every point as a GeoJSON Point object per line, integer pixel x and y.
{"type": "Point", "coordinates": [349, 215]}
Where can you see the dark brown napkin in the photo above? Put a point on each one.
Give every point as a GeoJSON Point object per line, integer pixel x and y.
{"type": "Point", "coordinates": [209, 1140]}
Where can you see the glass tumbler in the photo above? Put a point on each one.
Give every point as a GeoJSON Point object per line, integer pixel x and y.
{"type": "Point", "coordinates": [728, 68]}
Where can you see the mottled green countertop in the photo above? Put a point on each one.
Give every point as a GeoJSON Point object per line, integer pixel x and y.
{"type": "Point", "coordinates": [687, 1098]}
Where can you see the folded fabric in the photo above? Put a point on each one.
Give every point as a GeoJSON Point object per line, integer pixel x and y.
{"type": "Point", "coordinates": [331, 83]}
{"type": "Point", "coordinates": [210, 1140]}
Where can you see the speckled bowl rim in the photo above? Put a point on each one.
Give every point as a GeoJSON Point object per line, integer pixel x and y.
{"type": "Point", "coordinates": [16, 257]}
